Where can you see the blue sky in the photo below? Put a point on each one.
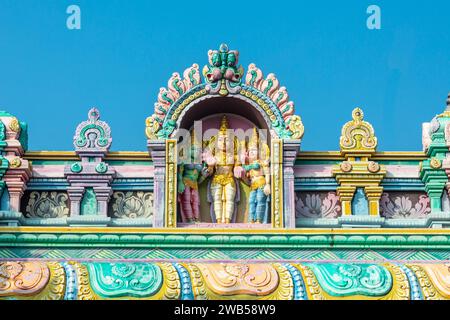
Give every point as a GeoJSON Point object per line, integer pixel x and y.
{"type": "Point", "coordinates": [320, 50]}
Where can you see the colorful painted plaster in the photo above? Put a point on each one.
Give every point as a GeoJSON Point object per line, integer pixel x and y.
{"type": "Point", "coordinates": [356, 223]}
{"type": "Point", "coordinates": [203, 281]}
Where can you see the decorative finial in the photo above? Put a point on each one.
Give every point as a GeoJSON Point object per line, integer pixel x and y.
{"type": "Point", "coordinates": [358, 135]}
{"type": "Point", "coordinates": [357, 115]}
{"type": "Point", "coordinates": [223, 73]}
{"type": "Point", "coordinates": [93, 114]}
{"type": "Point", "coordinates": [92, 135]}
{"type": "Point", "coordinates": [223, 47]}
{"type": "Point", "coordinates": [224, 125]}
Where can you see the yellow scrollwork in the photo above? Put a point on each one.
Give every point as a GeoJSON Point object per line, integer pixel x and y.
{"type": "Point", "coordinates": [434, 280]}
{"type": "Point", "coordinates": [15, 163]}
{"type": "Point", "coordinates": [313, 289]}
{"type": "Point", "coordinates": [400, 285]}
{"type": "Point", "coordinates": [14, 125]}
{"type": "Point", "coordinates": [435, 163]}
{"type": "Point", "coordinates": [358, 135]}
{"type": "Point", "coordinates": [151, 127]}
{"type": "Point", "coordinates": [85, 291]}
{"type": "Point", "coordinates": [171, 288]}
{"type": "Point", "coordinates": [198, 284]}
{"type": "Point", "coordinates": [296, 127]}
{"type": "Point", "coordinates": [56, 286]}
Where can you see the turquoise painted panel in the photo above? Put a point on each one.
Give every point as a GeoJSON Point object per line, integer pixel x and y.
{"type": "Point", "coordinates": [353, 279]}
{"type": "Point", "coordinates": [114, 280]}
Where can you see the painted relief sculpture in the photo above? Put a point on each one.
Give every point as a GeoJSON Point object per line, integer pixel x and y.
{"type": "Point", "coordinates": [222, 73]}
{"type": "Point", "coordinates": [258, 175]}
{"type": "Point", "coordinates": [220, 281]}
{"type": "Point", "coordinates": [224, 168]}
{"type": "Point", "coordinates": [230, 217]}
{"type": "Point", "coordinates": [190, 175]}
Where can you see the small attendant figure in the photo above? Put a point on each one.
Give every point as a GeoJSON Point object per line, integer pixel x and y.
{"type": "Point", "coordinates": [189, 177]}
{"type": "Point", "coordinates": [258, 177]}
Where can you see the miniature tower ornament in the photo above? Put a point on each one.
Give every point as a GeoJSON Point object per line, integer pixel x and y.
{"type": "Point", "coordinates": [359, 177]}
{"type": "Point", "coordinates": [435, 170]}
{"type": "Point", "coordinates": [90, 179]}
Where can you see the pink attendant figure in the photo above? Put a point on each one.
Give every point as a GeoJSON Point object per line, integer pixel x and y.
{"type": "Point", "coordinates": [189, 177]}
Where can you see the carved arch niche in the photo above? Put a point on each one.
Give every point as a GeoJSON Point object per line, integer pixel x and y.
{"type": "Point", "coordinates": [247, 101]}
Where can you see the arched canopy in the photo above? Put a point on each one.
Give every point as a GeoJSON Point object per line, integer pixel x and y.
{"type": "Point", "coordinates": [221, 105]}
{"type": "Point", "coordinates": [224, 90]}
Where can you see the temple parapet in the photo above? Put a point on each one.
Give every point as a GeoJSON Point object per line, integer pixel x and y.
{"type": "Point", "coordinates": [223, 194]}
{"type": "Point", "coordinates": [224, 153]}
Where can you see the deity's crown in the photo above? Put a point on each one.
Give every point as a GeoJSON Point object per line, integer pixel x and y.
{"type": "Point", "coordinates": [224, 126]}
{"type": "Point", "coordinates": [195, 142]}
{"type": "Point", "coordinates": [253, 143]}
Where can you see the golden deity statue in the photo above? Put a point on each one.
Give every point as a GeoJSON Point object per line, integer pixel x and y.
{"type": "Point", "coordinates": [222, 160]}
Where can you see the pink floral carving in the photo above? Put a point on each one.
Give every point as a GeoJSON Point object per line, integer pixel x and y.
{"type": "Point", "coordinates": [402, 206]}
{"type": "Point", "coordinates": [318, 205]}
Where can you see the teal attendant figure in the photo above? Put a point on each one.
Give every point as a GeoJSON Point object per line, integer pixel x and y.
{"type": "Point", "coordinates": [258, 177]}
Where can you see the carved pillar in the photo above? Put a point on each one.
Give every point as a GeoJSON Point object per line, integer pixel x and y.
{"type": "Point", "coordinates": [103, 194]}
{"type": "Point", "coordinates": [345, 194]}
{"type": "Point", "coordinates": [290, 152]}
{"type": "Point", "coordinates": [373, 195]}
{"type": "Point", "coordinates": [75, 196]}
{"type": "Point", "coordinates": [157, 150]}
{"type": "Point", "coordinates": [16, 181]}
